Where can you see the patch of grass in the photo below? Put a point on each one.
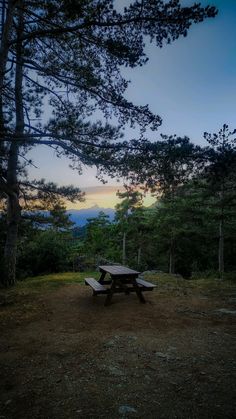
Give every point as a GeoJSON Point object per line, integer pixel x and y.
{"type": "Point", "coordinates": [166, 284]}
{"type": "Point", "coordinates": [213, 286]}
{"type": "Point", "coordinates": [43, 283]}
{"type": "Point", "coordinates": [174, 283]}
{"type": "Point", "coordinates": [53, 281]}
{"type": "Point", "coordinates": [21, 301]}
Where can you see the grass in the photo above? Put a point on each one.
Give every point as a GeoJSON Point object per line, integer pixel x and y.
{"type": "Point", "coordinates": [40, 284]}
{"type": "Point", "coordinates": [165, 284]}
{"type": "Point", "coordinates": [54, 281]}
{"type": "Point", "coordinates": [172, 283]}
{"type": "Point", "coordinates": [23, 301]}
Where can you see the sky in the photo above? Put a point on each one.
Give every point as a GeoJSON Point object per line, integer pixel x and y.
{"type": "Point", "coordinates": [191, 84]}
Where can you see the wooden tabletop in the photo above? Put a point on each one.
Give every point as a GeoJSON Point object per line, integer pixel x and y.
{"type": "Point", "coordinates": [118, 270]}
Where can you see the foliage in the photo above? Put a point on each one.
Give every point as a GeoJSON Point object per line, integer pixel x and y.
{"type": "Point", "coordinates": [100, 240]}
{"type": "Point", "coordinates": [195, 192]}
{"type": "Point", "coordinates": [65, 57]}
{"type": "Point", "coordinates": [220, 175]}
{"type": "Point", "coordinates": [69, 55]}
{"type": "Point", "coordinates": [185, 216]}
{"type": "Point", "coordinates": [47, 252]}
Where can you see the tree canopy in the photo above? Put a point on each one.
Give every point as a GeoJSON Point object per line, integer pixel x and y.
{"type": "Point", "coordinates": [61, 84]}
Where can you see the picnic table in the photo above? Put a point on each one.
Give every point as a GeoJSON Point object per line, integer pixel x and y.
{"type": "Point", "coordinates": [121, 279]}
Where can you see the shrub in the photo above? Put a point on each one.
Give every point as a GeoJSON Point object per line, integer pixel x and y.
{"type": "Point", "coordinates": [47, 252]}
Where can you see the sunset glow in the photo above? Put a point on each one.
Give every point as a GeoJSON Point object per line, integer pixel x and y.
{"type": "Point", "coordinates": [104, 197]}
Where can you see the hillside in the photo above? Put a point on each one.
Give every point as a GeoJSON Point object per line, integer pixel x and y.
{"type": "Point", "coordinates": [79, 217]}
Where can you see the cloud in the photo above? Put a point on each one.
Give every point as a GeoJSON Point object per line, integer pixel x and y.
{"type": "Point", "coordinates": [103, 189]}
{"type": "Point", "coordinates": [104, 196]}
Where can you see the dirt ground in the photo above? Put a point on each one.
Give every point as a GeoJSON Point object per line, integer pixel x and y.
{"type": "Point", "coordinates": [64, 355]}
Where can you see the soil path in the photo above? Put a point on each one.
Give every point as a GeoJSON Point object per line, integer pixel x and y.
{"type": "Point", "coordinates": [68, 356]}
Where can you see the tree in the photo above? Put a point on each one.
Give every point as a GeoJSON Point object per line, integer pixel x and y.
{"type": "Point", "coordinates": [68, 54]}
{"type": "Point", "coordinates": [59, 218]}
{"type": "Point", "coordinates": [220, 176]}
{"type": "Point", "coordinates": [124, 210]}
{"type": "Point", "coordinates": [139, 235]}
{"type": "Point", "coordinates": [45, 251]}
{"type": "Point", "coordinates": [179, 222]}
{"type": "Point", "coordinates": [167, 165]}
{"type": "Point", "coordinates": [97, 235]}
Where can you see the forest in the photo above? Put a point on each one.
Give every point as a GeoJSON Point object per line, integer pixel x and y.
{"type": "Point", "coordinates": [190, 230]}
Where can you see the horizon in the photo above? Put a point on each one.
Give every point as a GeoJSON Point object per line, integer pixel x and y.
{"type": "Point", "coordinates": [104, 196]}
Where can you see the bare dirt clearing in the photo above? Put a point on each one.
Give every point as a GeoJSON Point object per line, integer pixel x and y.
{"type": "Point", "coordinates": [65, 355]}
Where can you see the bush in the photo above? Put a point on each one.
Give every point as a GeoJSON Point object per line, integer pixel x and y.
{"type": "Point", "coordinates": [47, 252]}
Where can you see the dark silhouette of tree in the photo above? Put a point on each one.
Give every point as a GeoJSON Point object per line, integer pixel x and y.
{"type": "Point", "coordinates": [131, 201]}
{"type": "Point", "coordinates": [162, 168]}
{"type": "Point", "coordinates": [68, 54]}
{"type": "Point", "coordinates": [220, 177]}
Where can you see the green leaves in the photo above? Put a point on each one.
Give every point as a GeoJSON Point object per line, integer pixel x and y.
{"type": "Point", "coordinates": [72, 53]}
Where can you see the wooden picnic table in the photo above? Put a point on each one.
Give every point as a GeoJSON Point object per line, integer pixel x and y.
{"type": "Point", "coordinates": [121, 279]}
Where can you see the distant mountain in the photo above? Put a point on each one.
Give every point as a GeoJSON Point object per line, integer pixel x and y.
{"type": "Point", "coordinates": [79, 217]}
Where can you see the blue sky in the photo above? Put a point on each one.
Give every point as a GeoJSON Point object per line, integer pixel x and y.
{"type": "Point", "coordinates": [191, 84]}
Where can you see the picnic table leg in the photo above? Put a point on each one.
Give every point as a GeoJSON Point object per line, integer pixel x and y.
{"type": "Point", "coordinates": [110, 294]}
{"type": "Point", "coordinates": [102, 277]}
{"type": "Point", "coordinates": [124, 286]}
{"type": "Point", "coordinates": [138, 291]}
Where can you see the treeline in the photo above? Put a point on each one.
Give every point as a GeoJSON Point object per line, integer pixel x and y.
{"type": "Point", "coordinates": [192, 226]}
{"type": "Point", "coordinates": [190, 229]}
{"type": "Point", "coordinates": [181, 234]}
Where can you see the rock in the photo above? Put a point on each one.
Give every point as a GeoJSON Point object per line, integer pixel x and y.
{"type": "Point", "coordinates": [110, 343]}
{"type": "Point", "coordinates": [172, 348]}
{"type": "Point", "coordinates": [162, 355]}
{"type": "Point", "coordinates": [115, 341]}
{"type": "Point", "coordinates": [226, 311]}
{"type": "Point", "coordinates": [115, 371]}
{"type": "Point", "coordinates": [123, 410]}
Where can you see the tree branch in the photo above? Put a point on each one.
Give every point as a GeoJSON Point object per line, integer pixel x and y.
{"type": "Point", "coordinates": [167, 20]}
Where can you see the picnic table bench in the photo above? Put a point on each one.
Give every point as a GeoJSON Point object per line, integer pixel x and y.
{"type": "Point", "coordinates": [122, 279]}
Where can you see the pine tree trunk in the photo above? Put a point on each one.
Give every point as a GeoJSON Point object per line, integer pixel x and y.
{"type": "Point", "coordinates": [13, 205]}
{"type": "Point", "coordinates": [171, 256]}
{"type": "Point", "coordinates": [221, 232]}
{"type": "Point", "coordinates": [4, 50]}
{"type": "Point", "coordinates": [124, 249]}
{"type": "Point", "coordinates": [171, 248]}
{"type": "Point", "coordinates": [221, 249]}
{"type": "Point", "coordinates": [139, 256]}
{"type": "Point", "coordinates": [10, 252]}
